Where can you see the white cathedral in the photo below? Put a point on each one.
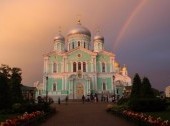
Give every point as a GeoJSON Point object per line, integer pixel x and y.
{"type": "Point", "coordinates": [74, 69]}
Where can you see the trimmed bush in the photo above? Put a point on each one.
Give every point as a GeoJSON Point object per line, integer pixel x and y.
{"type": "Point", "coordinates": [147, 105]}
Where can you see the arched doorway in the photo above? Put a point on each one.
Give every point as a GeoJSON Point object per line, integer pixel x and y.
{"type": "Point", "coordinates": [79, 91]}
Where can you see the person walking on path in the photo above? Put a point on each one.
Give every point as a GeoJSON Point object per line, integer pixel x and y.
{"type": "Point", "coordinates": [66, 100]}
{"type": "Point", "coordinates": [83, 99]}
{"type": "Point", "coordinates": [59, 101]}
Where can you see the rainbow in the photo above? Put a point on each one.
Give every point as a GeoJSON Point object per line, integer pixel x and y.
{"type": "Point", "coordinates": [128, 21]}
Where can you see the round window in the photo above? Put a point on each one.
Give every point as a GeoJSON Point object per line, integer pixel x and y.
{"type": "Point", "coordinates": [79, 55]}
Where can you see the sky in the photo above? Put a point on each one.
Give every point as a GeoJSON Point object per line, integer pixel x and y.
{"type": "Point", "coordinates": [136, 31]}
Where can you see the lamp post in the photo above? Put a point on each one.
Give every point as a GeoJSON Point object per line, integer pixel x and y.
{"type": "Point", "coordinates": [46, 88]}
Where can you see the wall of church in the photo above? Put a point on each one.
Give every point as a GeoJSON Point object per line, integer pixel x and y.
{"type": "Point", "coordinates": [108, 66]}
{"type": "Point", "coordinates": [107, 81]}
{"type": "Point", "coordinates": [119, 91]}
{"type": "Point", "coordinates": [55, 59]}
{"type": "Point", "coordinates": [57, 81]}
{"type": "Point", "coordinates": [101, 58]}
{"type": "Point", "coordinates": [83, 56]}
{"type": "Point", "coordinates": [74, 39]}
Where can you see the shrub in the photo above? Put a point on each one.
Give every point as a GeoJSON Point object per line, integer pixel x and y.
{"type": "Point", "coordinates": [123, 101]}
{"type": "Point", "coordinates": [147, 105]}
{"type": "Point", "coordinates": [16, 108]}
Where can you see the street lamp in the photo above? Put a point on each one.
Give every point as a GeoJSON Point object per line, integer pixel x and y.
{"type": "Point", "coordinates": [46, 88]}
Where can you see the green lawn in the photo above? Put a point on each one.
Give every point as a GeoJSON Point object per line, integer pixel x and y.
{"type": "Point", "coordinates": [165, 115]}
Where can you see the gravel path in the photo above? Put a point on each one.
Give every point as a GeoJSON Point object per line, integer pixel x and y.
{"type": "Point", "coordinates": [88, 114]}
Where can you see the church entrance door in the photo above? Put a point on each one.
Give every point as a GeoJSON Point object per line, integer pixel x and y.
{"type": "Point", "coordinates": [79, 91]}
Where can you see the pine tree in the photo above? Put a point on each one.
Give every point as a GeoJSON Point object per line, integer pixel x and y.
{"type": "Point", "coordinates": [146, 89]}
{"type": "Point", "coordinates": [135, 93]}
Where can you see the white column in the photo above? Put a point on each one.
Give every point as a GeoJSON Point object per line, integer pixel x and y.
{"type": "Point", "coordinates": [95, 65]}
{"type": "Point", "coordinates": [105, 66]}
{"type": "Point", "coordinates": [100, 64]}
{"type": "Point", "coordinates": [71, 66]}
{"type": "Point", "coordinates": [91, 66]}
{"type": "Point", "coordinates": [57, 67]}
{"type": "Point", "coordinates": [89, 86]}
{"type": "Point", "coordinates": [66, 87]}
{"type": "Point", "coordinates": [112, 83]}
{"type": "Point", "coordinates": [44, 66]}
{"type": "Point", "coordinates": [77, 66]}
{"type": "Point", "coordinates": [67, 66]}
{"type": "Point", "coordinates": [52, 67]}
{"type": "Point", "coordinates": [64, 64]}
{"type": "Point", "coordinates": [111, 69]}
{"type": "Point", "coordinates": [62, 83]}
{"type": "Point", "coordinates": [86, 66]}
{"type": "Point", "coordinates": [81, 66]}
{"type": "Point", "coordinates": [69, 85]}
{"type": "Point", "coordinates": [47, 66]}
{"type": "Point", "coordinates": [95, 82]}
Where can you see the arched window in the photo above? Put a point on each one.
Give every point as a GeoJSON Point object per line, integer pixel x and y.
{"type": "Point", "coordinates": [73, 45]}
{"type": "Point", "coordinates": [84, 45]}
{"type": "Point", "coordinates": [104, 86]}
{"type": "Point", "coordinates": [103, 67]}
{"type": "Point", "coordinates": [78, 43]}
{"type": "Point", "coordinates": [74, 67]}
{"type": "Point", "coordinates": [79, 65]}
{"type": "Point", "coordinates": [54, 87]}
{"type": "Point", "coordinates": [84, 67]}
{"type": "Point", "coordinates": [54, 68]}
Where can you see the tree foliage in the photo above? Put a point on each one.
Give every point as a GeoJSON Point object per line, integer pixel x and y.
{"type": "Point", "coordinates": [136, 87]}
{"type": "Point", "coordinates": [15, 82]}
{"type": "Point", "coordinates": [143, 98]}
{"type": "Point", "coordinates": [10, 90]}
{"type": "Point", "coordinates": [146, 89]}
{"type": "Point", "coordinates": [4, 91]}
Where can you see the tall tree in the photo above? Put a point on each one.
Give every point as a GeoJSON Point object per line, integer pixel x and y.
{"type": "Point", "coordinates": [6, 70]}
{"type": "Point", "coordinates": [15, 82]}
{"type": "Point", "coordinates": [5, 101]}
{"type": "Point", "coordinates": [135, 93]}
{"type": "Point", "coordinates": [146, 89]}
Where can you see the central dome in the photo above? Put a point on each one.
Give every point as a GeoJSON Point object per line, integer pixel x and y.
{"type": "Point", "coordinates": [79, 29]}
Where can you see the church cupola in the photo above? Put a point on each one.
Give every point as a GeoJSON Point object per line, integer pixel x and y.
{"type": "Point", "coordinates": [78, 36]}
{"type": "Point", "coordinates": [98, 42]}
{"type": "Point", "coordinates": [124, 71]}
{"type": "Point", "coordinates": [59, 43]}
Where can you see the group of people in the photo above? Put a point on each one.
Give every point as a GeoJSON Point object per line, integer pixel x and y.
{"type": "Point", "coordinates": [90, 98]}
{"type": "Point", "coordinates": [66, 100]}
{"type": "Point", "coordinates": [94, 98]}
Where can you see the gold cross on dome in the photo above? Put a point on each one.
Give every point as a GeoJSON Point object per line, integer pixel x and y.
{"type": "Point", "coordinates": [59, 29]}
{"type": "Point", "coordinates": [78, 19]}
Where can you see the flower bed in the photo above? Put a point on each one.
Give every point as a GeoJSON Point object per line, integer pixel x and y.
{"type": "Point", "coordinates": [24, 120]}
{"type": "Point", "coordinates": [141, 119]}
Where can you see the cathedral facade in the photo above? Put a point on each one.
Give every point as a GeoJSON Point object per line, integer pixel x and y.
{"type": "Point", "coordinates": [74, 69]}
